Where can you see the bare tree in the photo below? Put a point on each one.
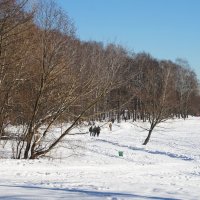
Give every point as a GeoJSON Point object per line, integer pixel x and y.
{"type": "Point", "coordinates": [14, 23]}
{"type": "Point", "coordinates": [59, 83]}
{"type": "Point", "coordinates": [48, 76]}
{"type": "Point", "coordinates": [157, 93]}
{"type": "Point", "coordinates": [186, 86]}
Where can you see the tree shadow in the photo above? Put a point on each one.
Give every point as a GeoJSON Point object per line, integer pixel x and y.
{"type": "Point", "coordinates": [169, 154]}
{"type": "Point", "coordinates": [77, 193]}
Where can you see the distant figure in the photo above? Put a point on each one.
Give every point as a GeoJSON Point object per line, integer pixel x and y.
{"type": "Point", "coordinates": [98, 131]}
{"type": "Point", "coordinates": [91, 130]}
{"type": "Point", "coordinates": [94, 131]}
{"type": "Point", "coordinates": [110, 126]}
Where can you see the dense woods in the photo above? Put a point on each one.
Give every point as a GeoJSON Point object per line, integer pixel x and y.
{"type": "Point", "coordinates": [49, 76]}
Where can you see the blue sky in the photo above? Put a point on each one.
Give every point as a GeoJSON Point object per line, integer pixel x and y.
{"type": "Point", "coordinates": [167, 29]}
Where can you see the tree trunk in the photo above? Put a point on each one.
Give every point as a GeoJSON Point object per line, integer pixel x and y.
{"type": "Point", "coordinates": [148, 137]}
{"type": "Point", "coordinates": [27, 150]}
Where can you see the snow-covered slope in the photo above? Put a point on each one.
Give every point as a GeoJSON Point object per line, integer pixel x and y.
{"type": "Point", "coordinates": [85, 167]}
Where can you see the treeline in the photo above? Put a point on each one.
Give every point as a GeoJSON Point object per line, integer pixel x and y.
{"type": "Point", "coordinates": [47, 75]}
{"type": "Point", "coordinates": [148, 83]}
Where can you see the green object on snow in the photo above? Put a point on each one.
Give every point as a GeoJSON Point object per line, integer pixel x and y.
{"type": "Point", "coordinates": [120, 153]}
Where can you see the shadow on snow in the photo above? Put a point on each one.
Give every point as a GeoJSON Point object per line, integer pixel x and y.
{"type": "Point", "coordinates": [79, 192]}
{"type": "Point", "coordinates": [171, 155]}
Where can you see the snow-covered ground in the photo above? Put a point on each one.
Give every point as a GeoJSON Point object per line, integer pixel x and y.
{"type": "Point", "coordinates": [87, 168]}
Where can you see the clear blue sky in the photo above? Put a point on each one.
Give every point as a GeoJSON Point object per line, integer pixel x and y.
{"type": "Point", "coordinates": [167, 29]}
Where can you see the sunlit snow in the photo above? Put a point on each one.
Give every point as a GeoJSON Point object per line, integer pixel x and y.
{"type": "Point", "coordinates": [87, 168]}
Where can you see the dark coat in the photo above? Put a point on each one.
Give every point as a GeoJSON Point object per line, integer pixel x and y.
{"type": "Point", "coordinates": [98, 131]}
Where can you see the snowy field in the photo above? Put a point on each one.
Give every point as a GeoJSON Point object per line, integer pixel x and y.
{"type": "Point", "coordinates": [87, 168]}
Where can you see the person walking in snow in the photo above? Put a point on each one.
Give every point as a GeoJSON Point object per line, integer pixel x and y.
{"type": "Point", "coordinates": [91, 130]}
{"type": "Point", "coordinates": [110, 126]}
{"type": "Point", "coordinates": [98, 131]}
{"type": "Point", "coordinates": [94, 131]}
